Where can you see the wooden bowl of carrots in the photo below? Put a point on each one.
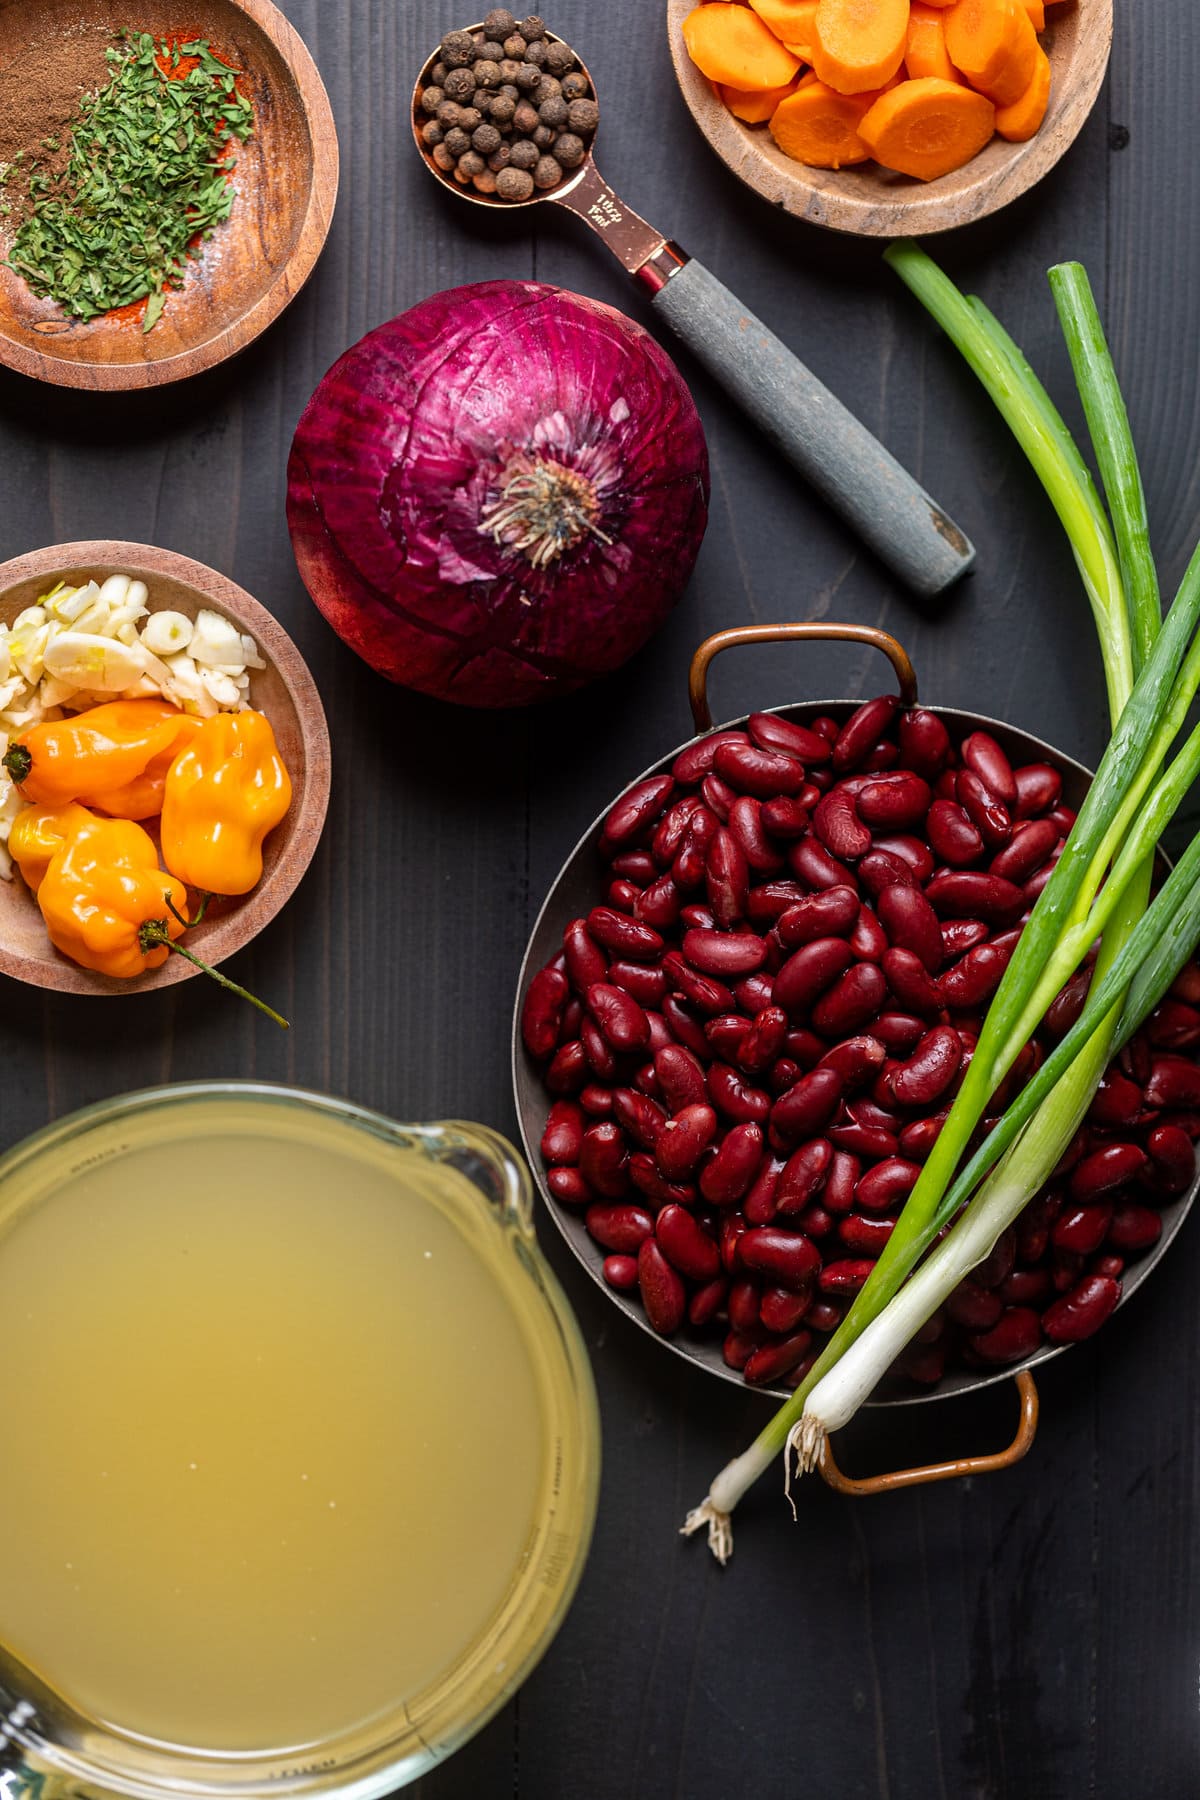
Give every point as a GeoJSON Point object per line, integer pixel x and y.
{"type": "Point", "coordinates": [865, 122]}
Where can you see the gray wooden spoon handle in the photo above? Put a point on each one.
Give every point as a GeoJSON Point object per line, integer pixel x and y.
{"type": "Point", "coordinates": [859, 478]}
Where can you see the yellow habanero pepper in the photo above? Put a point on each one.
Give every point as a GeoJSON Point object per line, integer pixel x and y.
{"type": "Point", "coordinates": [107, 904]}
{"type": "Point", "coordinates": [114, 757]}
{"type": "Point", "coordinates": [39, 833]}
{"type": "Point", "coordinates": [225, 791]}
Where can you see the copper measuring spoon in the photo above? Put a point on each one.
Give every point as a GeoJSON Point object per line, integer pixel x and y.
{"type": "Point", "coordinates": [851, 469]}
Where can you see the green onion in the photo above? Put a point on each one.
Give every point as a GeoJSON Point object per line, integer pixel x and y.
{"type": "Point", "coordinates": [1101, 884]}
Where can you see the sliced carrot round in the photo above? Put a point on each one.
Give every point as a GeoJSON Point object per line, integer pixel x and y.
{"type": "Point", "coordinates": [925, 52]}
{"type": "Point", "coordinates": [818, 126]}
{"type": "Point", "coordinates": [1023, 119]}
{"type": "Point", "coordinates": [790, 20]}
{"type": "Point", "coordinates": [859, 44]}
{"type": "Point", "coordinates": [994, 45]}
{"type": "Point", "coordinates": [754, 109]}
{"type": "Point", "coordinates": [928, 127]}
{"type": "Point", "coordinates": [731, 45]}
{"type": "Point", "coordinates": [1037, 13]}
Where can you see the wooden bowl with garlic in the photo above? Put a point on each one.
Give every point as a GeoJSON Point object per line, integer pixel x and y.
{"type": "Point", "coordinates": [83, 624]}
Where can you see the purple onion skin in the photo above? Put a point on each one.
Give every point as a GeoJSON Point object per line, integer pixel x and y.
{"type": "Point", "coordinates": [409, 441]}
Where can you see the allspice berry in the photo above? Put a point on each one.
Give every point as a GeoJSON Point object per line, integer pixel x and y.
{"type": "Point", "coordinates": [553, 113]}
{"type": "Point", "coordinates": [485, 139]}
{"type": "Point", "coordinates": [514, 184]}
{"type": "Point", "coordinates": [458, 49]}
{"type": "Point", "coordinates": [583, 116]}
{"type": "Point", "coordinates": [548, 173]}
{"type": "Point", "coordinates": [532, 27]}
{"type": "Point", "coordinates": [569, 150]}
{"type": "Point", "coordinates": [499, 23]}
{"type": "Point", "coordinates": [460, 85]}
{"type": "Point", "coordinates": [523, 155]}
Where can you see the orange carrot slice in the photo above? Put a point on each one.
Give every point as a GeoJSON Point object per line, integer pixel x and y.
{"type": "Point", "coordinates": [928, 127]}
{"type": "Point", "coordinates": [819, 126]}
{"type": "Point", "coordinates": [994, 45]}
{"type": "Point", "coordinates": [859, 44]}
{"type": "Point", "coordinates": [1037, 13]}
{"type": "Point", "coordinates": [1023, 119]}
{"type": "Point", "coordinates": [790, 20]}
{"type": "Point", "coordinates": [731, 45]}
{"type": "Point", "coordinates": [754, 109]}
{"type": "Point", "coordinates": [925, 52]}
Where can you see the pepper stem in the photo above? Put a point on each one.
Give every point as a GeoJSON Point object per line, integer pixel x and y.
{"type": "Point", "coordinates": [155, 935]}
{"type": "Point", "coordinates": [18, 762]}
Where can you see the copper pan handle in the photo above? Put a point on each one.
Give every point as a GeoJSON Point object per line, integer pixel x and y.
{"type": "Point", "coordinates": [789, 634]}
{"type": "Point", "coordinates": [947, 1471]}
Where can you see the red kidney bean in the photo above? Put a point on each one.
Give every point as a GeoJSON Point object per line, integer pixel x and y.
{"type": "Point", "coordinates": [857, 1060]}
{"type": "Point", "coordinates": [739, 1347]}
{"type": "Point", "coordinates": [758, 1207]}
{"type": "Point", "coordinates": [645, 1081]}
{"type": "Point", "coordinates": [868, 939]}
{"type": "Point", "coordinates": [804, 1047]}
{"type": "Point", "coordinates": [724, 952]}
{"type": "Point", "coordinates": [770, 732]}
{"type": "Point", "coordinates": [780, 1310]}
{"type": "Point", "coordinates": [701, 991]}
{"type": "Point", "coordinates": [696, 761]}
{"type": "Point", "coordinates": [1066, 1268]}
{"type": "Point", "coordinates": [623, 895]}
{"type": "Point", "coordinates": [625, 937]}
{"type": "Point", "coordinates": [1026, 1287]}
{"type": "Point", "coordinates": [1082, 1311]}
{"type": "Point", "coordinates": [1106, 1169]}
{"type": "Point", "coordinates": [1186, 985]}
{"type": "Point", "coordinates": [687, 871]}
{"type": "Point", "coordinates": [974, 1307]}
{"type": "Point", "coordinates": [870, 1112]}
{"type": "Point", "coordinates": [619, 1017]}
{"type": "Point", "coordinates": [887, 1185]}
{"type": "Point", "coordinates": [913, 852]}
{"type": "Point", "coordinates": [911, 924]}
{"type": "Point", "coordinates": [788, 1257]}
{"type": "Point", "coordinates": [865, 1237]}
{"type": "Point", "coordinates": [809, 972]}
{"type": "Point", "coordinates": [930, 1071]}
{"type": "Point", "coordinates": [840, 1183]}
{"type": "Point", "coordinates": [1063, 818]}
{"type": "Point", "coordinates": [983, 755]}
{"type": "Point", "coordinates": [668, 838]}
{"type": "Point", "coordinates": [952, 835]}
{"type": "Point", "coordinates": [568, 1071]}
{"type": "Point", "coordinates": [660, 1031]}
{"type": "Point", "coordinates": [772, 898]}
{"type": "Point", "coordinates": [755, 992]}
{"type": "Point", "coordinates": [1136, 1059]}
{"type": "Point", "coordinates": [924, 742]}
{"type": "Point", "coordinates": [882, 869]}
{"type": "Point", "coordinates": [730, 1231]}
{"type": "Point", "coordinates": [569, 1187]}
{"type": "Point", "coordinates": [634, 811]}
{"type": "Point", "coordinates": [803, 1176]}
{"type": "Point", "coordinates": [685, 1027]}
{"type": "Point", "coordinates": [563, 1137]}
{"type": "Point", "coordinates": [635, 865]}
{"type": "Point", "coordinates": [851, 1002]}
{"type": "Point", "coordinates": [997, 1265]}
{"type": "Point", "coordinates": [774, 1360]}
{"type": "Point", "coordinates": [918, 1139]}
{"type": "Point", "coordinates": [762, 1043]}
{"type": "Point", "coordinates": [735, 1097]}
{"type": "Point", "coordinates": [648, 1180]}
{"type": "Point", "coordinates": [1173, 1082]}
{"type": "Point", "coordinates": [1118, 1102]}
{"type": "Point", "coordinates": [1173, 1156]}
{"type": "Point", "coordinates": [730, 1173]}
{"type": "Point", "coordinates": [1134, 1227]}
{"type": "Point", "coordinates": [1030, 849]}
{"type": "Point", "coordinates": [640, 1116]}
{"type": "Point", "coordinates": [823, 1315]}
{"type": "Point", "coordinates": [806, 1108]}
{"type": "Point", "coordinates": [837, 824]}
{"type": "Point", "coordinates": [763, 773]}
{"type": "Point", "coordinates": [898, 1032]}
{"type": "Point", "coordinates": [726, 1032]}
{"type": "Point", "coordinates": [707, 1302]}
{"type": "Point", "coordinates": [967, 894]}
{"type": "Point", "coordinates": [603, 1160]}
{"type": "Point", "coordinates": [788, 815]}
{"type": "Point", "coordinates": [869, 1141]}
{"type": "Point", "coordinates": [745, 1298]}
{"type": "Point", "coordinates": [896, 802]}
{"type": "Point", "coordinates": [596, 1100]}
{"type": "Point", "coordinates": [686, 1245]}
{"type": "Point", "coordinates": [659, 904]}
{"type": "Point", "coordinates": [814, 1221]}
{"type": "Point", "coordinates": [1016, 1335]}
{"type": "Point", "coordinates": [746, 825]}
{"type": "Point", "coordinates": [912, 985]}
{"type": "Point", "coordinates": [1111, 1266]}
{"type": "Point", "coordinates": [542, 1012]}
{"type": "Point", "coordinates": [1033, 1226]}
{"type": "Point", "coordinates": [830, 914]}
{"type": "Point", "coordinates": [572, 1019]}
{"type": "Point", "coordinates": [663, 1293]}
{"type": "Point", "coordinates": [989, 817]}
{"type": "Point", "coordinates": [863, 730]}
{"type": "Point", "coordinates": [1082, 1228]}
{"type": "Point", "coordinates": [718, 796]}
{"type": "Point", "coordinates": [600, 1055]}
{"type": "Point", "coordinates": [1065, 1009]}
{"type": "Point", "coordinates": [1038, 789]}
{"type": "Point", "coordinates": [646, 985]}
{"type": "Point", "coordinates": [1174, 1026]}
{"type": "Point", "coordinates": [813, 864]}
{"type": "Point", "coordinates": [683, 1140]}
{"type": "Point", "coordinates": [621, 1229]}
{"type": "Point", "coordinates": [727, 879]}
{"type": "Point", "coordinates": [845, 1277]}
{"type": "Point", "coordinates": [621, 1272]}
{"type": "Point", "coordinates": [961, 935]}
{"type": "Point", "coordinates": [975, 977]}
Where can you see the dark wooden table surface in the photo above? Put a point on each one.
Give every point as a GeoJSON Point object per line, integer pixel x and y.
{"type": "Point", "coordinates": [1031, 1636]}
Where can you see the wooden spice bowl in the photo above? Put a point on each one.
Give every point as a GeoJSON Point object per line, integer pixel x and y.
{"type": "Point", "coordinates": [873, 202]}
{"type": "Point", "coordinates": [254, 264]}
{"type": "Point", "coordinates": [284, 691]}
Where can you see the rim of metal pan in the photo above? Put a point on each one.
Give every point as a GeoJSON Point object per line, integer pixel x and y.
{"type": "Point", "coordinates": [576, 889]}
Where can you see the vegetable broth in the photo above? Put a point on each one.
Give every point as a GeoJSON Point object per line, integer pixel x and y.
{"type": "Point", "coordinates": [275, 1441]}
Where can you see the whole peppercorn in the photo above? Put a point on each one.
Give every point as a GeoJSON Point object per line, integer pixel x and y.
{"type": "Point", "coordinates": [469, 117]}
{"type": "Point", "coordinates": [525, 118]}
{"type": "Point", "coordinates": [499, 159]}
{"type": "Point", "coordinates": [536, 54]}
{"type": "Point", "coordinates": [523, 155]}
{"type": "Point", "coordinates": [460, 85]}
{"type": "Point", "coordinates": [503, 110]}
{"type": "Point", "coordinates": [431, 99]}
{"type": "Point", "coordinates": [527, 77]}
{"type": "Point", "coordinates": [443, 158]}
{"type": "Point", "coordinates": [544, 137]}
{"type": "Point", "coordinates": [449, 113]}
{"type": "Point", "coordinates": [511, 91]}
{"type": "Point", "coordinates": [485, 139]}
{"type": "Point", "coordinates": [548, 88]}
{"type": "Point", "coordinates": [491, 50]}
{"type": "Point", "coordinates": [514, 47]}
{"type": "Point", "coordinates": [487, 74]}
{"type": "Point", "coordinates": [532, 27]}
{"type": "Point", "coordinates": [569, 149]}
{"type": "Point", "coordinates": [548, 173]}
{"type": "Point", "coordinates": [559, 58]}
{"type": "Point", "coordinates": [499, 22]}
{"type": "Point", "coordinates": [431, 133]}
{"type": "Point", "coordinates": [438, 74]}
{"type": "Point", "coordinates": [576, 86]}
{"type": "Point", "coordinates": [484, 183]}
{"type": "Point", "coordinates": [471, 164]}
{"type": "Point", "coordinates": [508, 71]}
{"type": "Point", "coordinates": [553, 113]}
{"type": "Point", "coordinates": [458, 49]}
{"type": "Point", "coordinates": [583, 116]}
{"type": "Point", "coordinates": [514, 184]}
{"type": "Point", "coordinates": [457, 141]}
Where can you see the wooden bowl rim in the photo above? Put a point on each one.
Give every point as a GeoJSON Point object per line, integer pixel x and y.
{"type": "Point", "coordinates": [310, 804]}
{"type": "Point", "coordinates": [290, 277]}
{"type": "Point", "coordinates": [826, 197]}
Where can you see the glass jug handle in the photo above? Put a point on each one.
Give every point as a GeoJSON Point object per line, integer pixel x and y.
{"type": "Point", "coordinates": [491, 1163]}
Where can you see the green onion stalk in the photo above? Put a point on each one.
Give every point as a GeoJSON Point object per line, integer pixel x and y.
{"type": "Point", "coordinates": [1100, 887]}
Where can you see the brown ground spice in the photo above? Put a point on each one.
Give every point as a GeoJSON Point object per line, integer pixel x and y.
{"type": "Point", "coordinates": [40, 91]}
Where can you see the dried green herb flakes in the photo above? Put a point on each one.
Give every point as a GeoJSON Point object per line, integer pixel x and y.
{"type": "Point", "coordinates": [147, 179]}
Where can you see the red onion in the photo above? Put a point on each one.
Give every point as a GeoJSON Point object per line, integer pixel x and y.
{"type": "Point", "coordinates": [499, 495]}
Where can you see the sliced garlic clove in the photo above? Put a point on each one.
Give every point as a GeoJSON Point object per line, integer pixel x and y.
{"type": "Point", "coordinates": [167, 633]}
{"type": "Point", "coordinates": [101, 664]}
{"type": "Point", "coordinates": [115, 591]}
{"type": "Point", "coordinates": [215, 640]}
{"type": "Point", "coordinates": [223, 690]}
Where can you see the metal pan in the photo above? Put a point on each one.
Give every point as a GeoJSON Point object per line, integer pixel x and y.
{"type": "Point", "coordinates": [580, 884]}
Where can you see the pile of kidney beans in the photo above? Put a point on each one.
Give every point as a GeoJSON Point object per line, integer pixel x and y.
{"type": "Point", "coordinates": [754, 1040]}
